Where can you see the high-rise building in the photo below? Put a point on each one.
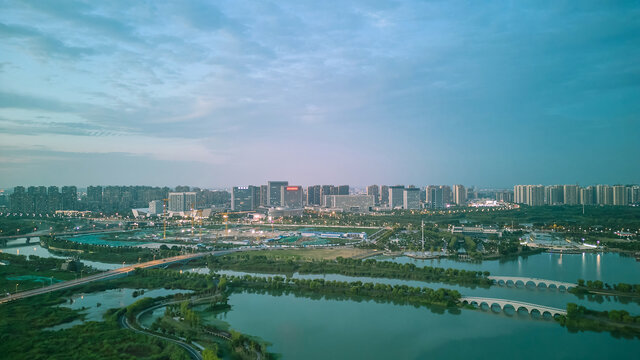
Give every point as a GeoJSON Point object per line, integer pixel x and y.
{"type": "Point", "coordinates": [255, 197]}
{"type": "Point", "coordinates": [94, 198]}
{"type": "Point", "coordinates": [396, 199]}
{"type": "Point", "coordinates": [411, 198]}
{"type": "Point", "coordinates": [17, 199]}
{"type": "Point", "coordinates": [326, 190]}
{"type": "Point", "coordinates": [343, 190]}
{"type": "Point", "coordinates": [571, 194]}
{"type": "Point", "coordinates": [242, 198]}
{"type": "Point", "coordinates": [264, 195]}
{"type": "Point", "coordinates": [604, 195]}
{"type": "Point", "coordinates": [587, 195]}
{"type": "Point", "coordinates": [505, 195]}
{"type": "Point", "coordinates": [554, 195]}
{"type": "Point", "coordinates": [156, 207]}
{"type": "Point", "coordinates": [459, 195]}
{"type": "Point", "coordinates": [438, 196]}
{"type": "Point", "coordinates": [374, 190]}
{"type": "Point", "coordinates": [54, 199]}
{"type": "Point", "coordinates": [635, 194]}
{"type": "Point", "coordinates": [182, 201]}
{"type": "Point", "coordinates": [313, 195]}
{"type": "Point", "coordinates": [535, 195]}
{"type": "Point", "coordinates": [384, 195]}
{"type": "Point", "coordinates": [38, 195]}
{"type": "Point", "coordinates": [291, 197]}
{"type": "Point", "coordinates": [620, 195]}
{"type": "Point", "coordinates": [520, 194]}
{"type": "Point", "coordinates": [274, 192]}
{"type": "Point", "coordinates": [69, 197]}
{"type": "Point", "coordinates": [350, 203]}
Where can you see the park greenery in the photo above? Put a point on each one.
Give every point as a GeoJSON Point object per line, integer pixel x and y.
{"type": "Point", "coordinates": [398, 294]}
{"type": "Point", "coordinates": [618, 322]}
{"type": "Point", "coordinates": [24, 335]}
{"type": "Point", "coordinates": [32, 272]}
{"type": "Point", "coordinates": [349, 267]}
{"type": "Point", "coordinates": [109, 254]}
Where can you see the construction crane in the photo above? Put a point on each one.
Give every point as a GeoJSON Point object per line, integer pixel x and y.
{"type": "Point", "coordinates": [225, 216]}
{"type": "Point", "coordinates": [164, 216]}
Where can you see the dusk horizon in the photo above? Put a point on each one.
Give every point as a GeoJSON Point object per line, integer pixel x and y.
{"type": "Point", "coordinates": [217, 95]}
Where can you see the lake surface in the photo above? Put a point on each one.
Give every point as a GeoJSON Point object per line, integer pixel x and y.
{"type": "Point", "coordinates": [607, 267]}
{"type": "Point", "coordinates": [35, 249]}
{"type": "Point", "coordinates": [108, 299]}
{"type": "Point", "coordinates": [301, 328]}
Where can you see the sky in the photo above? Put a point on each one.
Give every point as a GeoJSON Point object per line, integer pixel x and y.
{"type": "Point", "coordinates": [223, 93]}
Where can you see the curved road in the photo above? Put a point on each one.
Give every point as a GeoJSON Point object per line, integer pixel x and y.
{"type": "Point", "coordinates": [193, 353]}
{"type": "Point", "coordinates": [108, 274]}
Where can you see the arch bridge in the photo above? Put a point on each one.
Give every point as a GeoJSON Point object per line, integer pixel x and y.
{"type": "Point", "coordinates": [515, 280]}
{"type": "Point", "coordinates": [517, 305]}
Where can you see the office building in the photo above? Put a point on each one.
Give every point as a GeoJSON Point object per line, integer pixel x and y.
{"type": "Point", "coordinates": [263, 195]}
{"type": "Point", "coordinates": [326, 190]}
{"type": "Point", "coordinates": [411, 198]}
{"type": "Point", "coordinates": [242, 198]}
{"type": "Point", "coordinates": [255, 197]}
{"type": "Point", "coordinates": [313, 195]}
{"type": "Point", "coordinates": [291, 197]}
{"type": "Point", "coordinates": [396, 199]}
{"type": "Point", "coordinates": [343, 190]}
{"type": "Point", "coordinates": [350, 203]}
{"type": "Point", "coordinates": [274, 192]}
{"type": "Point", "coordinates": [374, 190]}
{"type": "Point", "coordinates": [384, 195]}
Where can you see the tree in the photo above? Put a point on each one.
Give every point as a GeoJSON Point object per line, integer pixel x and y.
{"type": "Point", "coordinates": [209, 354]}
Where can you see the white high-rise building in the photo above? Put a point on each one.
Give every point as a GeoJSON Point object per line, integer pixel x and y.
{"type": "Point", "coordinates": [620, 195]}
{"type": "Point", "coordinates": [182, 201]}
{"type": "Point", "coordinates": [459, 194]}
{"type": "Point", "coordinates": [571, 194]}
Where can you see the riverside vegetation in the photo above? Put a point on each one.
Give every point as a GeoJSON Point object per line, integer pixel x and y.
{"type": "Point", "coordinates": [349, 267]}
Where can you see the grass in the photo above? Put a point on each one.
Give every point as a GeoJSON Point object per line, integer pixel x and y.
{"type": "Point", "coordinates": [316, 254]}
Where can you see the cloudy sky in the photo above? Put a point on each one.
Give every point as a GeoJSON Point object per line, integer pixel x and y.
{"type": "Point", "coordinates": [218, 93]}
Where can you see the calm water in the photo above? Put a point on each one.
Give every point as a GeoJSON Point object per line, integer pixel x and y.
{"type": "Point", "coordinates": [108, 299]}
{"type": "Point", "coordinates": [35, 249]}
{"type": "Point", "coordinates": [611, 268]}
{"type": "Point", "coordinates": [301, 328]}
{"type": "Point", "coordinates": [607, 267]}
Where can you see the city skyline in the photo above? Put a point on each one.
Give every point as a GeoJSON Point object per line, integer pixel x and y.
{"type": "Point", "coordinates": [211, 94]}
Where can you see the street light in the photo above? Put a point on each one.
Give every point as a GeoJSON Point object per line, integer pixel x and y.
{"type": "Point", "coordinates": [17, 288]}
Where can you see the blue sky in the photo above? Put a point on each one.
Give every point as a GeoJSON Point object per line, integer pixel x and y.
{"type": "Point", "coordinates": [219, 93]}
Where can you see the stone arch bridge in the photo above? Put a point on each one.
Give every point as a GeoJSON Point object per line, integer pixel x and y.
{"type": "Point", "coordinates": [515, 280]}
{"type": "Point", "coordinates": [517, 305]}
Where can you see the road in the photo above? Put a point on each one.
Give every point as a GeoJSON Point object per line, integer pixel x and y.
{"type": "Point", "coordinates": [193, 353]}
{"type": "Point", "coordinates": [107, 275]}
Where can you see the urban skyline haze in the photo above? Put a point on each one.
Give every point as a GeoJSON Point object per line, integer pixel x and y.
{"type": "Point", "coordinates": [219, 94]}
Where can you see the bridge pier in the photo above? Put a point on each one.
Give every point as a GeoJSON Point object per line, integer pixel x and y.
{"type": "Point", "coordinates": [531, 309]}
